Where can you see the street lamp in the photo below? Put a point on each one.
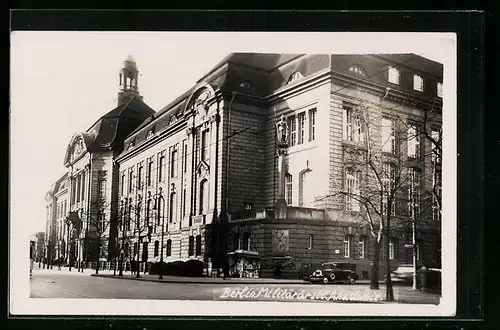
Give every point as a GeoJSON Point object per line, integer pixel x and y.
{"type": "Point", "coordinates": [122, 250]}
{"type": "Point", "coordinates": [157, 197]}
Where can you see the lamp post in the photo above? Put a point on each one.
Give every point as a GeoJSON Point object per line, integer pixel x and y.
{"type": "Point", "coordinates": [157, 198]}
{"type": "Point", "coordinates": [122, 250]}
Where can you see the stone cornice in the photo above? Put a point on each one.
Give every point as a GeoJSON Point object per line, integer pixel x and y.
{"type": "Point", "coordinates": [167, 132]}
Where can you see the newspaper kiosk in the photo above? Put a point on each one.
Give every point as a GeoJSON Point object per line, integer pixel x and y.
{"type": "Point", "coordinates": [244, 264]}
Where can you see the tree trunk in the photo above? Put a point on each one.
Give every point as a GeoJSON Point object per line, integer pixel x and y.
{"type": "Point", "coordinates": [375, 266]}
{"type": "Point", "coordinates": [388, 282]}
{"type": "Point", "coordinates": [138, 274]}
{"type": "Point", "coordinates": [97, 255]}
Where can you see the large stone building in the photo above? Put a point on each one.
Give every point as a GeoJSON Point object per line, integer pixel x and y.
{"type": "Point", "coordinates": [206, 168]}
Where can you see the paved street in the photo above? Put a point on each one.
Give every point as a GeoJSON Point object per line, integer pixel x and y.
{"type": "Point", "coordinates": [64, 284]}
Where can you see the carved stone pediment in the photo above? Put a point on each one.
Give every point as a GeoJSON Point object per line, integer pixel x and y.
{"type": "Point", "coordinates": [203, 169]}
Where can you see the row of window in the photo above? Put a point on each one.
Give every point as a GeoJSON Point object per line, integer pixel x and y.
{"type": "Point", "coordinates": [393, 76]}
{"type": "Point", "coordinates": [302, 128]}
{"type": "Point", "coordinates": [354, 130]}
{"type": "Point", "coordinates": [146, 169]}
{"type": "Point", "coordinates": [61, 209]}
{"type": "Point", "coordinates": [194, 248]}
{"type": "Point", "coordinates": [362, 247]}
{"type": "Point", "coordinates": [353, 179]}
{"type": "Point", "coordinates": [78, 188]}
{"type": "Point", "coordinates": [132, 214]}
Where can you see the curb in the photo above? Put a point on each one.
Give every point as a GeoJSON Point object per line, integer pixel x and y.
{"type": "Point", "coordinates": [194, 282]}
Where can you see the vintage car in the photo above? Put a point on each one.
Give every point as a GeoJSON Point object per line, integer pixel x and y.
{"type": "Point", "coordinates": [335, 272]}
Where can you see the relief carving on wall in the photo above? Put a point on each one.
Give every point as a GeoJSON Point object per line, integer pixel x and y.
{"type": "Point", "coordinates": [280, 240]}
{"type": "Point", "coordinates": [78, 148]}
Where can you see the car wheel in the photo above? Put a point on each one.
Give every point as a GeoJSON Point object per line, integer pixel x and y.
{"type": "Point", "coordinates": [351, 280]}
{"type": "Point", "coordinates": [325, 280]}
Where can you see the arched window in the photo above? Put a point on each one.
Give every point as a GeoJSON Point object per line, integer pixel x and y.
{"type": "Point", "coordinates": [191, 246]}
{"type": "Point", "coordinates": [288, 188]}
{"type": "Point", "coordinates": [198, 245]}
{"type": "Point", "coordinates": [203, 196]}
{"type": "Point", "coordinates": [295, 76]}
{"type": "Point", "coordinates": [357, 70]}
{"type": "Point", "coordinates": [169, 247]}
{"type": "Point", "coordinates": [173, 207]}
{"type": "Point", "coordinates": [157, 247]}
{"type": "Point", "coordinates": [347, 246]}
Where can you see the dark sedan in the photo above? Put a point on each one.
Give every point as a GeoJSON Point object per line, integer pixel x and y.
{"type": "Point", "coordinates": [335, 272]}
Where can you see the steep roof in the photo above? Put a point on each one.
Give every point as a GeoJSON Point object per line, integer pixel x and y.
{"type": "Point", "coordinates": [112, 128]}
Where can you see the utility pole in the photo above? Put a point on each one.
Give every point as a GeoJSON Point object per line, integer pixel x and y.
{"type": "Point", "coordinates": [159, 197]}
{"type": "Point", "coordinates": [122, 250]}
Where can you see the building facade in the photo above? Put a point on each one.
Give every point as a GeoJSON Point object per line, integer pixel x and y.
{"type": "Point", "coordinates": [203, 176]}
{"type": "Point", "coordinates": [204, 170]}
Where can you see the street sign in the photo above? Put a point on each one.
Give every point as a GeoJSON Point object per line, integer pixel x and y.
{"type": "Point", "coordinates": [408, 245]}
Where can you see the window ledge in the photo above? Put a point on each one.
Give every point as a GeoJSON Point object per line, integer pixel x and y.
{"type": "Point", "coordinates": [302, 147]}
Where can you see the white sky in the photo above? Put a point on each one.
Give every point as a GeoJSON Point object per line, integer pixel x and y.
{"type": "Point", "coordinates": [62, 82]}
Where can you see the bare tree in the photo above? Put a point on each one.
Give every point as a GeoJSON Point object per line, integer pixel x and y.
{"type": "Point", "coordinates": [377, 176]}
{"type": "Point", "coordinates": [98, 225]}
{"type": "Point", "coordinates": [74, 227]}
{"type": "Point", "coordinates": [140, 227]}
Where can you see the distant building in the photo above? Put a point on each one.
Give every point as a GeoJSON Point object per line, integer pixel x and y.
{"type": "Point", "coordinates": [82, 204]}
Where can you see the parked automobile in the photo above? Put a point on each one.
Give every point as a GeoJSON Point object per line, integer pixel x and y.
{"type": "Point", "coordinates": [332, 272]}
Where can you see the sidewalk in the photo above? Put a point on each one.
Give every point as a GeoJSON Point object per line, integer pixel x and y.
{"type": "Point", "coordinates": [202, 280]}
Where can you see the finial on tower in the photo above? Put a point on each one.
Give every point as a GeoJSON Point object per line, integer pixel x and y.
{"type": "Point", "coordinates": [129, 75]}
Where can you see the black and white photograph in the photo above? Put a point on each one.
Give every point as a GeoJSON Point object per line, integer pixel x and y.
{"type": "Point", "coordinates": [233, 173]}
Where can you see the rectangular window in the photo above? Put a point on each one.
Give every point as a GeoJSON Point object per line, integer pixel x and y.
{"type": "Point", "coordinates": [388, 138]}
{"type": "Point", "coordinates": [388, 177]}
{"type": "Point", "coordinates": [144, 251]}
{"type": "Point", "coordinates": [440, 89]}
{"type": "Point", "coordinates": [131, 180]}
{"type": "Point", "coordinates": [78, 188]}
{"type": "Point", "coordinates": [123, 184]}
{"type": "Point", "coordinates": [391, 249]}
{"type": "Point", "coordinates": [302, 122]}
{"type": "Point", "coordinates": [436, 145]}
{"type": "Point", "coordinates": [161, 164]}
{"type": "Point", "coordinates": [139, 176]}
{"type": "Point", "coordinates": [310, 242]}
{"type": "Point", "coordinates": [312, 124]}
{"type": "Point", "coordinates": [185, 155]}
{"type": "Point", "coordinates": [361, 247]}
{"type": "Point", "coordinates": [288, 189]}
{"type": "Point", "coordinates": [393, 75]}
{"type": "Point", "coordinates": [102, 189]}
{"type": "Point", "coordinates": [150, 172]}
{"type": "Point", "coordinates": [83, 186]}
{"type": "Point", "coordinates": [414, 192]}
{"type": "Point", "coordinates": [184, 203]}
{"type": "Point", "coordinates": [292, 124]}
{"type": "Point", "coordinates": [352, 127]}
{"type": "Point", "coordinates": [205, 151]}
{"type": "Point", "coordinates": [413, 141]}
{"type": "Point", "coordinates": [347, 246]}
{"type": "Point", "coordinates": [418, 83]}
{"type": "Point", "coordinates": [173, 207]}
{"type": "Point", "coordinates": [352, 179]}
{"type": "Point", "coordinates": [173, 163]}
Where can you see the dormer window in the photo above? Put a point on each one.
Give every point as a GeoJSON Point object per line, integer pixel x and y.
{"type": "Point", "coordinates": [440, 89]}
{"type": "Point", "coordinates": [418, 83]}
{"type": "Point", "coordinates": [295, 76]}
{"type": "Point", "coordinates": [150, 134]}
{"type": "Point", "coordinates": [393, 75]}
{"type": "Point", "coordinates": [357, 70]}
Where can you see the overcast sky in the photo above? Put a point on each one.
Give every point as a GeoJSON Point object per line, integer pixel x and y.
{"type": "Point", "coordinates": [62, 82]}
